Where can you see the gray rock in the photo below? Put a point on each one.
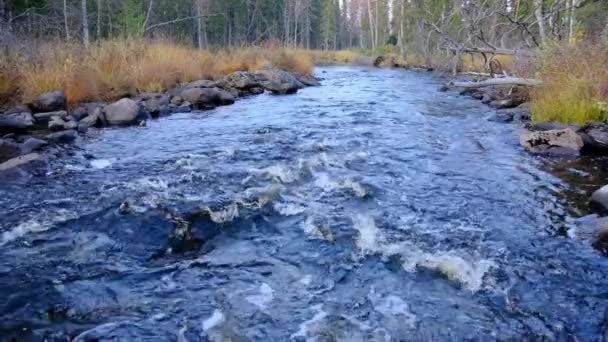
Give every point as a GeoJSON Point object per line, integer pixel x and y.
{"type": "Point", "coordinates": [279, 81]}
{"type": "Point", "coordinates": [16, 122]}
{"type": "Point", "coordinates": [592, 229]}
{"type": "Point", "coordinates": [307, 80]}
{"type": "Point", "coordinates": [18, 109]}
{"type": "Point", "coordinates": [595, 137]}
{"type": "Point", "coordinates": [45, 118]}
{"type": "Point", "coordinates": [63, 137]}
{"type": "Point", "coordinates": [563, 142]}
{"type": "Point", "coordinates": [177, 100]}
{"type": "Point", "coordinates": [600, 197]}
{"type": "Point", "coordinates": [504, 117]}
{"type": "Point", "coordinates": [205, 98]}
{"type": "Point", "coordinates": [503, 104]}
{"type": "Point", "coordinates": [57, 124]}
{"type": "Point", "coordinates": [22, 161]}
{"type": "Point", "coordinates": [201, 84]}
{"type": "Point", "coordinates": [91, 120]}
{"type": "Point", "coordinates": [9, 150]}
{"type": "Point", "coordinates": [124, 112]}
{"type": "Point", "coordinates": [32, 145]}
{"type": "Point", "coordinates": [486, 98]}
{"type": "Point", "coordinates": [49, 102]}
{"type": "Point", "coordinates": [549, 126]}
{"type": "Point", "coordinates": [241, 80]}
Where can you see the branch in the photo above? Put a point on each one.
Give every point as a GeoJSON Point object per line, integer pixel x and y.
{"type": "Point", "coordinates": [151, 27]}
{"type": "Point", "coordinates": [507, 81]}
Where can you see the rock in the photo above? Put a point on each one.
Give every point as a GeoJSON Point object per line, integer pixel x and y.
{"type": "Point", "coordinates": [44, 118]}
{"type": "Point", "coordinates": [486, 98]}
{"type": "Point", "coordinates": [549, 126]}
{"type": "Point", "coordinates": [18, 109]}
{"type": "Point", "coordinates": [49, 102]}
{"type": "Point", "coordinates": [33, 144]}
{"type": "Point", "coordinates": [512, 114]}
{"type": "Point", "coordinates": [600, 198]}
{"type": "Point", "coordinates": [63, 137]}
{"type": "Point", "coordinates": [443, 89]}
{"type": "Point", "coordinates": [592, 229]}
{"type": "Point", "coordinates": [307, 80]}
{"type": "Point", "coordinates": [201, 84]}
{"type": "Point", "coordinates": [280, 82]}
{"type": "Point", "coordinates": [9, 150]}
{"type": "Point", "coordinates": [600, 240]}
{"type": "Point", "coordinates": [503, 104]}
{"type": "Point", "coordinates": [241, 80]}
{"type": "Point", "coordinates": [504, 117]}
{"type": "Point", "coordinates": [16, 122]}
{"type": "Point", "coordinates": [177, 100]}
{"type": "Point", "coordinates": [124, 112]}
{"type": "Point", "coordinates": [32, 162]}
{"type": "Point", "coordinates": [57, 124]}
{"type": "Point", "coordinates": [91, 120]}
{"type": "Point", "coordinates": [595, 137]}
{"type": "Point", "coordinates": [206, 98]}
{"type": "Point", "coordinates": [563, 142]}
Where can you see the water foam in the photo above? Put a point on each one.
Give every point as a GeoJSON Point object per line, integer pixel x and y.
{"type": "Point", "coordinates": [310, 327]}
{"type": "Point", "coordinates": [214, 320]}
{"type": "Point", "coordinates": [41, 223]}
{"type": "Point", "coordinates": [263, 297]}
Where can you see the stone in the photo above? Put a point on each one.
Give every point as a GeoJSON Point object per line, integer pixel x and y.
{"type": "Point", "coordinates": [30, 162]}
{"type": "Point", "coordinates": [201, 84]}
{"type": "Point", "coordinates": [177, 100]}
{"type": "Point", "coordinates": [91, 120]}
{"type": "Point", "coordinates": [307, 80]}
{"type": "Point", "coordinates": [18, 109]}
{"type": "Point", "coordinates": [9, 150]}
{"type": "Point", "coordinates": [549, 126]}
{"type": "Point", "coordinates": [57, 124]}
{"type": "Point", "coordinates": [49, 102]}
{"type": "Point", "coordinates": [16, 122]}
{"type": "Point", "coordinates": [44, 118]}
{"type": "Point", "coordinates": [280, 81]}
{"type": "Point", "coordinates": [600, 198]}
{"type": "Point", "coordinates": [63, 137]}
{"type": "Point", "coordinates": [595, 137]}
{"type": "Point", "coordinates": [564, 142]}
{"type": "Point", "coordinates": [206, 98]}
{"type": "Point", "coordinates": [124, 112]}
{"type": "Point", "coordinates": [32, 145]}
{"type": "Point", "coordinates": [241, 80]}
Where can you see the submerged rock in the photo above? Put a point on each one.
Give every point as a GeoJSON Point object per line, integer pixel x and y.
{"type": "Point", "coordinates": [32, 162]}
{"type": "Point", "coordinates": [49, 102]}
{"type": "Point", "coordinates": [593, 229]}
{"type": "Point", "coordinates": [33, 144]}
{"type": "Point", "coordinates": [63, 137]}
{"type": "Point", "coordinates": [16, 122]}
{"type": "Point", "coordinates": [123, 113]}
{"type": "Point", "coordinates": [563, 142]}
{"type": "Point", "coordinates": [307, 80]}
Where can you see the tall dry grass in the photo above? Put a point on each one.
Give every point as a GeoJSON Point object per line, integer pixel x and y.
{"type": "Point", "coordinates": [575, 85]}
{"type": "Point", "coordinates": [114, 68]}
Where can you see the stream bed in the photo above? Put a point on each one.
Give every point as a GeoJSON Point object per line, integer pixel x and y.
{"type": "Point", "coordinates": [372, 208]}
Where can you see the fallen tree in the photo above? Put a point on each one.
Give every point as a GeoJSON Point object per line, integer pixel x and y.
{"type": "Point", "coordinates": [506, 81]}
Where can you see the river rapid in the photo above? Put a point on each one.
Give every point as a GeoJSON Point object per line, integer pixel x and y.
{"type": "Point", "coordinates": [372, 208]}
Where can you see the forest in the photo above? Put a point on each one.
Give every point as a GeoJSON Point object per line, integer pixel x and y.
{"type": "Point", "coordinates": [525, 37]}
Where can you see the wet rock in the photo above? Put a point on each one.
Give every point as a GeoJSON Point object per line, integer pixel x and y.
{"type": "Point", "coordinates": [443, 89]}
{"type": "Point", "coordinates": [49, 102]}
{"type": "Point", "coordinates": [30, 162]}
{"type": "Point", "coordinates": [600, 241]}
{"type": "Point", "coordinates": [32, 145]}
{"type": "Point", "coordinates": [600, 198]}
{"type": "Point", "coordinates": [549, 126]}
{"type": "Point", "coordinates": [519, 114]}
{"type": "Point", "coordinates": [595, 137]}
{"type": "Point", "coordinates": [504, 117]}
{"type": "Point", "coordinates": [503, 104]}
{"type": "Point", "coordinates": [124, 112]}
{"type": "Point", "coordinates": [279, 82]}
{"type": "Point", "coordinates": [307, 80]}
{"type": "Point", "coordinates": [44, 118]}
{"type": "Point", "coordinates": [563, 142]}
{"type": "Point", "coordinates": [177, 100]}
{"type": "Point", "coordinates": [486, 98]}
{"type": "Point", "coordinates": [63, 137]}
{"type": "Point", "coordinates": [592, 229]}
{"type": "Point", "coordinates": [9, 150]}
{"type": "Point", "coordinates": [206, 98]}
{"type": "Point", "coordinates": [91, 120]}
{"type": "Point", "coordinates": [57, 124]}
{"type": "Point", "coordinates": [16, 122]}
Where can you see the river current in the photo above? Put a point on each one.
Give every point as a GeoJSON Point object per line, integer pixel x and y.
{"type": "Point", "coordinates": [372, 208]}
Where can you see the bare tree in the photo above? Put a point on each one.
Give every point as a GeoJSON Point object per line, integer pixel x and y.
{"type": "Point", "coordinates": [65, 21]}
{"type": "Point", "coordinates": [84, 17]}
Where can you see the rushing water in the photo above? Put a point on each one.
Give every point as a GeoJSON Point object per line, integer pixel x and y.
{"type": "Point", "coordinates": [372, 208]}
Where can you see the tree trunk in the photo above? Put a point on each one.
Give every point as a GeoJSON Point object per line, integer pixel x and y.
{"type": "Point", "coordinates": [65, 21]}
{"type": "Point", "coordinates": [540, 21]}
{"type": "Point", "coordinates": [99, 12]}
{"type": "Point", "coordinates": [371, 24]}
{"type": "Point", "coordinates": [508, 81]}
{"type": "Point", "coordinates": [85, 23]}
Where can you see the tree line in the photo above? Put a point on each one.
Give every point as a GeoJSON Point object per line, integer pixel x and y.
{"type": "Point", "coordinates": [415, 26]}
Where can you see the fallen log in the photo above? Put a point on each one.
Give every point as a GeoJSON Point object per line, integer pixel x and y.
{"type": "Point", "coordinates": [506, 81]}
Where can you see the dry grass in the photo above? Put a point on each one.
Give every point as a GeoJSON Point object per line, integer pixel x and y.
{"type": "Point", "coordinates": [575, 85]}
{"type": "Point", "coordinates": [115, 67]}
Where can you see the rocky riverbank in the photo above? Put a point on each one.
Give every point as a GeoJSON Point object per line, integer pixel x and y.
{"type": "Point", "coordinates": [29, 130]}
{"type": "Point", "coordinates": [556, 141]}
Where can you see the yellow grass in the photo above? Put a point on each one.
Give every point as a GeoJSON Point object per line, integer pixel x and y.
{"type": "Point", "coordinates": [575, 86]}
{"type": "Point", "coordinates": [115, 67]}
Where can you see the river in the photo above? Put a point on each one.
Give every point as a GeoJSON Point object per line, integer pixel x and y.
{"type": "Point", "coordinates": [372, 208]}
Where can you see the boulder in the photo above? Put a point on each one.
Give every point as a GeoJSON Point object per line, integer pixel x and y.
{"type": "Point", "coordinates": [16, 122]}
{"type": "Point", "coordinates": [9, 150]}
{"type": "Point", "coordinates": [549, 126]}
{"type": "Point", "coordinates": [29, 163]}
{"type": "Point", "coordinates": [592, 229]}
{"type": "Point", "coordinates": [307, 80]}
{"type": "Point", "coordinates": [599, 199]}
{"type": "Point", "coordinates": [201, 84]}
{"type": "Point", "coordinates": [49, 102]}
{"type": "Point", "coordinates": [57, 124]}
{"type": "Point", "coordinates": [595, 137]}
{"type": "Point", "coordinates": [241, 80]}
{"type": "Point", "coordinates": [176, 100]}
{"type": "Point", "coordinates": [63, 137]}
{"type": "Point", "coordinates": [564, 142]}
{"type": "Point", "coordinates": [123, 113]}
{"type": "Point", "coordinates": [32, 145]}
{"type": "Point", "coordinates": [45, 118]}
{"type": "Point", "coordinates": [279, 81]}
{"type": "Point", "coordinates": [91, 120]}
{"type": "Point", "coordinates": [18, 109]}
{"type": "Point", "coordinates": [206, 98]}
